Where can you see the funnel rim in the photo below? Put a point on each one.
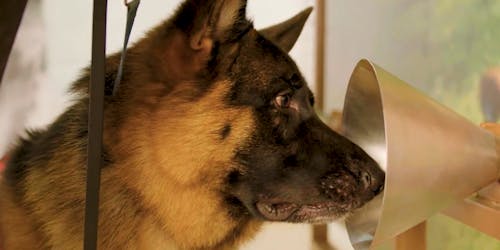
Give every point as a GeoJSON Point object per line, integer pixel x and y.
{"type": "Point", "coordinates": [352, 85]}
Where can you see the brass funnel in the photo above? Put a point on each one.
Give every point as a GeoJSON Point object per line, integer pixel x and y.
{"type": "Point", "coordinates": [432, 157]}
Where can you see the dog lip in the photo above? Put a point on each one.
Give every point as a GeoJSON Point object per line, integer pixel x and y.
{"type": "Point", "coordinates": [323, 211]}
{"type": "Point", "coordinates": [316, 212]}
{"type": "Point", "coordinates": [276, 211]}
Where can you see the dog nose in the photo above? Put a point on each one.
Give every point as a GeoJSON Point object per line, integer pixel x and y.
{"type": "Point", "coordinates": [373, 182]}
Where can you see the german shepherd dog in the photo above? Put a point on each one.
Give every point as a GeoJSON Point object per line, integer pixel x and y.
{"type": "Point", "coordinates": [212, 132]}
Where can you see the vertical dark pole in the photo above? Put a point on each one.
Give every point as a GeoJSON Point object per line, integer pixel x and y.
{"type": "Point", "coordinates": [11, 13]}
{"type": "Point", "coordinates": [95, 124]}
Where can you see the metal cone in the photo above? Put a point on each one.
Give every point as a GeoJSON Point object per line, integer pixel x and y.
{"type": "Point", "coordinates": [432, 156]}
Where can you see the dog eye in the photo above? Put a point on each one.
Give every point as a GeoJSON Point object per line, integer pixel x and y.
{"type": "Point", "coordinates": [283, 100]}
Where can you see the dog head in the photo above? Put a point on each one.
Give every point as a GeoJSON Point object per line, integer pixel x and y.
{"type": "Point", "coordinates": [230, 126]}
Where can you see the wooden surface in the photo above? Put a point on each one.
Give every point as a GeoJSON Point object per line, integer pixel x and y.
{"type": "Point", "coordinates": [320, 238]}
{"type": "Point", "coordinates": [478, 213]}
{"type": "Point", "coordinates": [413, 239]}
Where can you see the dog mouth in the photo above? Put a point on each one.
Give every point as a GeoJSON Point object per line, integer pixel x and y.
{"type": "Point", "coordinates": [312, 213]}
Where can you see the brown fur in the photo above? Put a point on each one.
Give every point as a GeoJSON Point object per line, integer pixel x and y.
{"type": "Point", "coordinates": [335, 120]}
{"type": "Point", "coordinates": [177, 147]}
{"type": "Point", "coordinates": [173, 189]}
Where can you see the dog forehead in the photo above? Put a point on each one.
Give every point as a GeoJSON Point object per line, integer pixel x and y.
{"type": "Point", "coordinates": [260, 71]}
{"type": "Point", "coordinates": [262, 61]}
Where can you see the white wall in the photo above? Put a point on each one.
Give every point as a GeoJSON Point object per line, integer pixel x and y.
{"type": "Point", "coordinates": [69, 31]}
{"type": "Point", "coordinates": [22, 79]}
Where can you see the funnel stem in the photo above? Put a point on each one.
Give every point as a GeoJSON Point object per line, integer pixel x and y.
{"type": "Point", "coordinates": [498, 157]}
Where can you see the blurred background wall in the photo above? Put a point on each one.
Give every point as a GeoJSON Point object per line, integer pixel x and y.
{"type": "Point", "coordinates": [24, 74]}
{"type": "Point", "coordinates": [441, 47]}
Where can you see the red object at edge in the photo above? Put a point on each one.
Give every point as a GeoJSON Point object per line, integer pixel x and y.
{"type": "Point", "coordinates": [3, 163]}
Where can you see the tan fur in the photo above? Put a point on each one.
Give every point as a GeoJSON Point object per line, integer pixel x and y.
{"type": "Point", "coordinates": [195, 154]}
{"type": "Point", "coordinates": [178, 152]}
{"type": "Point", "coordinates": [22, 236]}
{"type": "Point", "coordinates": [164, 190]}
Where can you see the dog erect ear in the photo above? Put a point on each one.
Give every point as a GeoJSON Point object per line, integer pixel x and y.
{"type": "Point", "coordinates": [198, 26]}
{"type": "Point", "coordinates": [207, 21]}
{"type": "Point", "coordinates": [286, 33]}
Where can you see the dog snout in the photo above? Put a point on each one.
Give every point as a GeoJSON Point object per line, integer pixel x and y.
{"type": "Point", "coordinates": [340, 186]}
